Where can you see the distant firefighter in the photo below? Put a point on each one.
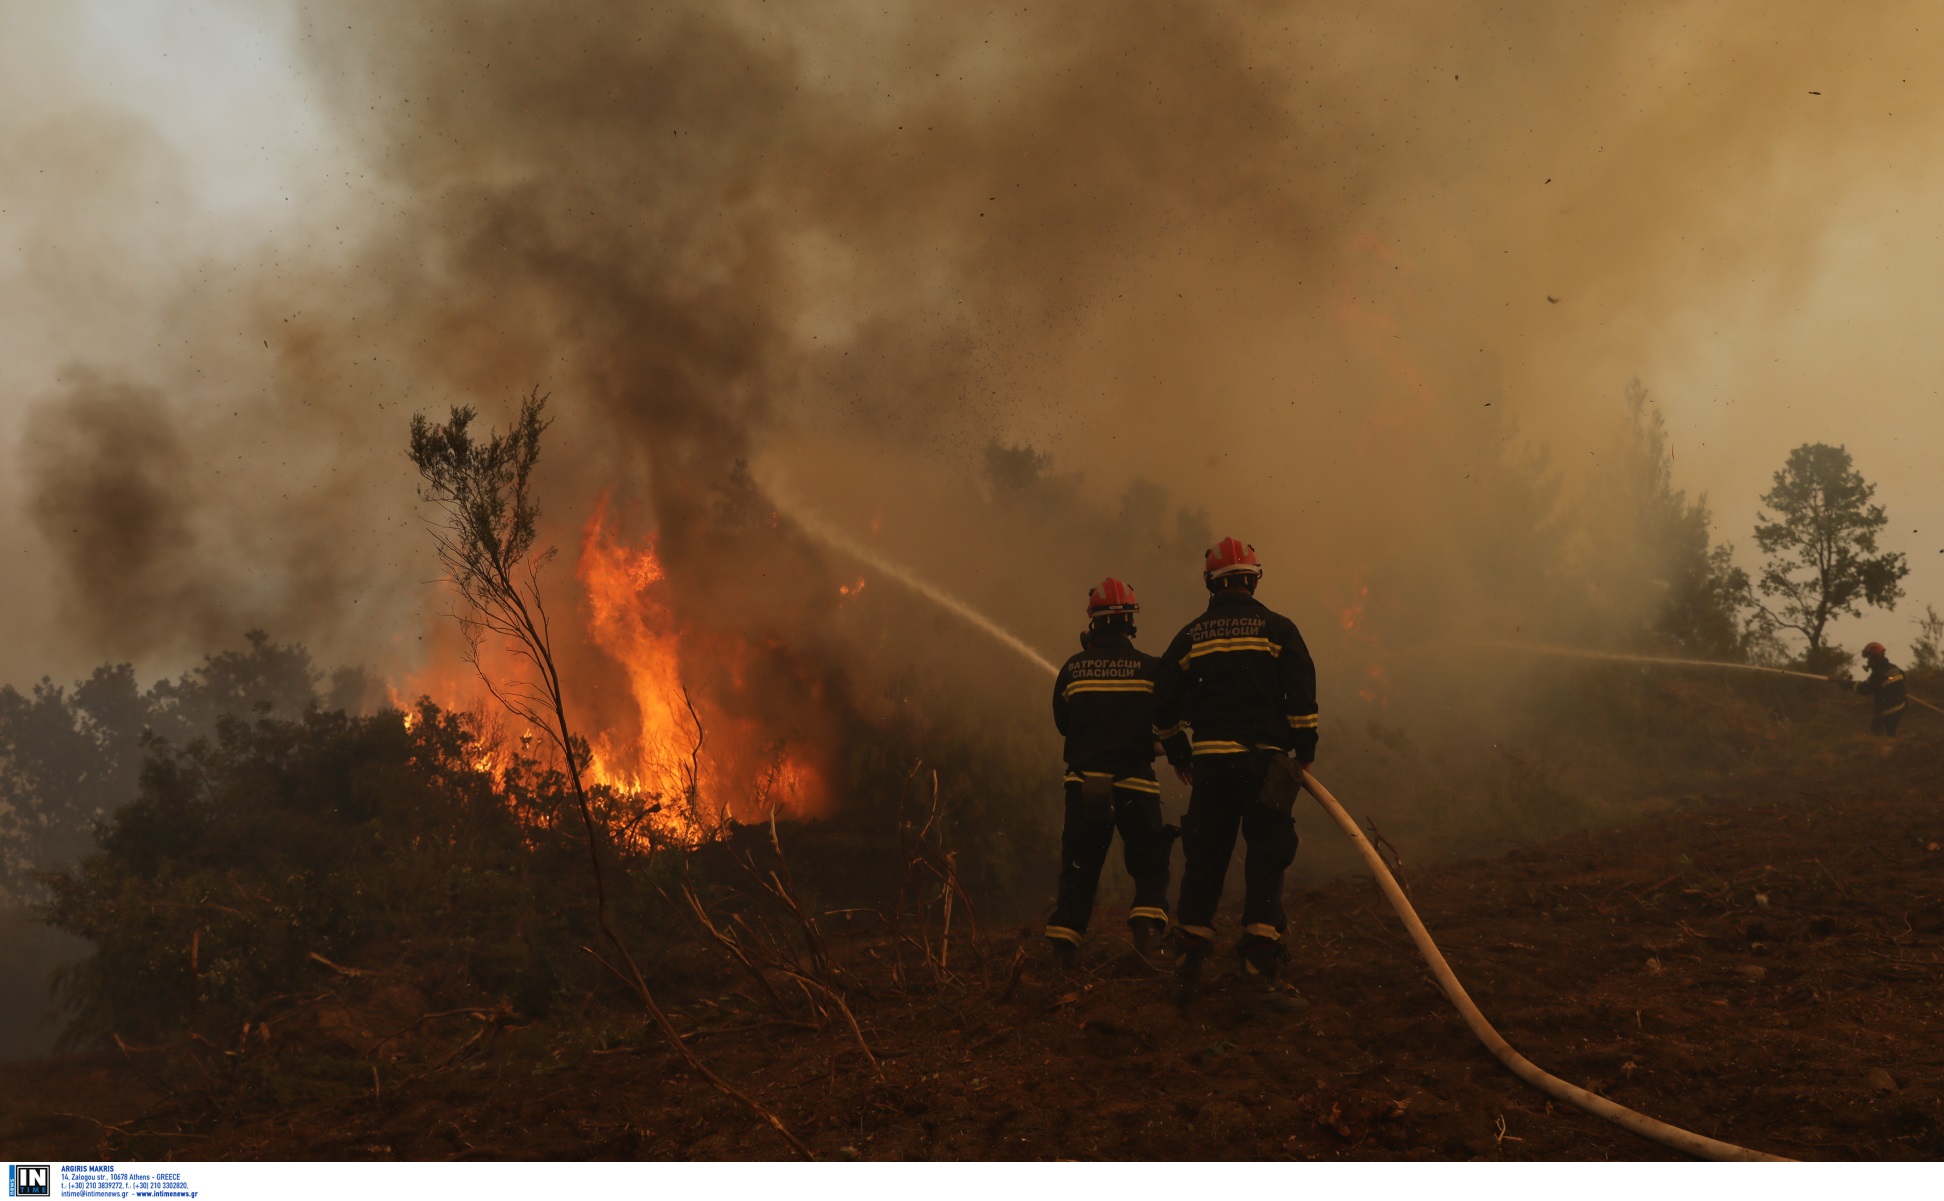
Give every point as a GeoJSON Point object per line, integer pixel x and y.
{"type": "Point", "coordinates": [1884, 686]}
{"type": "Point", "coordinates": [1103, 702]}
{"type": "Point", "coordinates": [1241, 678]}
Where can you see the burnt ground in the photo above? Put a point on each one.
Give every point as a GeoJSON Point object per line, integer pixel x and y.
{"type": "Point", "coordinates": [1760, 964]}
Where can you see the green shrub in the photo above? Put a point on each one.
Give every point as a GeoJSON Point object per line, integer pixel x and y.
{"type": "Point", "coordinates": [368, 840]}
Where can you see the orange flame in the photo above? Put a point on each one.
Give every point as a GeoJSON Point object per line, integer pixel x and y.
{"type": "Point", "coordinates": [683, 751]}
{"type": "Point", "coordinates": [1376, 686]}
{"type": "Point", "coordinates": [628, 620]}
{"type": "Point", "coordinates": [695, 750]}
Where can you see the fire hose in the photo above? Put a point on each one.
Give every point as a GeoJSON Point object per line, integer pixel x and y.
{"type": "Point", "coordinates": [1671, 1136]}
{"type": "Point", "coordinates": [1685, 1141]}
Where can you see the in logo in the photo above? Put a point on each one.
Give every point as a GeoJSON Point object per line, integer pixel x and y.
{"type": "Point", "coordinates": [28, 1180]}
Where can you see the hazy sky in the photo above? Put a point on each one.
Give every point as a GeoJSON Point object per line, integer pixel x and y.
{"type": "Point", "coordinates": [1740, 211]}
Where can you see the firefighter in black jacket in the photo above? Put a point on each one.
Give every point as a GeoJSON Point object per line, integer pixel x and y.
{"type": "Point", "coordinates": [1884, 686]}
{"type": "Point", "coordinates": [1241, 678]}
{"type": "Point", "coordinates": [1103, 702]}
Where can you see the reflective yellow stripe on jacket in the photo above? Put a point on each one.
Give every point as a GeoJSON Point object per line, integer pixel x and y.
{"type": "Point", "coordinates": [1079, 686]}
{"type": "Point", "coordinates": [1216, 646]}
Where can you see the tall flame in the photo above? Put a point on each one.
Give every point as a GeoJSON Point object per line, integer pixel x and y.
{"type": "Point", "coordinates": [685, 752]}
{"type": "Point", "coordinates": [701, 752]}
{"type": "Point", "coordinates": [659, 756]}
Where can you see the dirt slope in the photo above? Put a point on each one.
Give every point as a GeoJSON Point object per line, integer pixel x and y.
{"type": "Point", "coordinates": [1761, 966]}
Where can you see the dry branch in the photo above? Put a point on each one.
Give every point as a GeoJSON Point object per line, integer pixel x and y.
{"type": "Point", "coordinates": [733, 947]}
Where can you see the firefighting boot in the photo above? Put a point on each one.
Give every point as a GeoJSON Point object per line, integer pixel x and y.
{"type": "Point", "coordinates": [1262, 961]}
{"type": "Point", "coordinates": [1147, 932]}
{"type": "Point", "coordinates": [1189, 955]}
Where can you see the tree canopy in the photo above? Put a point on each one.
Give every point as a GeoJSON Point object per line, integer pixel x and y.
{"type": "Point", "coordinates": [71, 756]}
{"type": "Point", "coordinates": [1821, 545]}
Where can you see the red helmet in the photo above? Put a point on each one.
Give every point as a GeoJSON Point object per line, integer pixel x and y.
{"type": "Point", "coordinates": [1111, 596]}
{"type": "Point", "coordinates": [1230, 558]}
{"type": "Point", "coordinates": [1874, 651]}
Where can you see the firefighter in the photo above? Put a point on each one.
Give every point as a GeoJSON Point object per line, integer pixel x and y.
{"type": "Point", "coordinates": [1103, 703]}
{"type": "Point", "coordinates": [1240, 677]}
{"type": "Point", "coordinates": [1884, 686]}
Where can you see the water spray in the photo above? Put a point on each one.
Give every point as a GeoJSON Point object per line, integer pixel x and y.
{"type": "Point", "coordinates": [838, 540]}
{"type": "Point", "coordinates": [1571, 652]}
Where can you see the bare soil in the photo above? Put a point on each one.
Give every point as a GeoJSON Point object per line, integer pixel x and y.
{"type": "Point", "coordinates": [1760, 965]}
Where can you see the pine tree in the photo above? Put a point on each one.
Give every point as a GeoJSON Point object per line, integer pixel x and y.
{"type": "Point", "coordinates": [1823, 560]}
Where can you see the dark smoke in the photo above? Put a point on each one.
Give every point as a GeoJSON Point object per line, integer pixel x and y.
{"type": "Point", "coordinates": [113, 492]}
{"type": "Point", "coordinates": [1284, 265]}
{"type": "Point", "coordinates": [709, 229]}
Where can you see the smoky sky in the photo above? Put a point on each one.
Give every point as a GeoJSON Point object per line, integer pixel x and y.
{"type": "Point", "coordinates": [1316, 270]}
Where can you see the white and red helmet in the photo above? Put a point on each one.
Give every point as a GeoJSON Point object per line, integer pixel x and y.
{"type": "Point", "coordinates": [1230, 557]}
{"type": "Point", "coordinates": [1111, 596]}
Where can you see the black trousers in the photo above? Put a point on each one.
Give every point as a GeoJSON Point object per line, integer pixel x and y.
{"type": "Point", "coordinates": [1886, 723]}
{"type": "Point", "coordinates": [1146, 848]}
{"type": "Point", "coordinates": [1224, 802]}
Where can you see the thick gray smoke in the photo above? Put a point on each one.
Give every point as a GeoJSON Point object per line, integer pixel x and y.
{"type": "Point", "coordinates": [1316, 278]}
{"type": "Point", "coordinates": [869, 246]}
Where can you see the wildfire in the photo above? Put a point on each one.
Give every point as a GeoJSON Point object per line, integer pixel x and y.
{"type": "Point", "coordinates": [687, 746]}
{"type": "Point", "coordinates": [490, 754]}
{"type": "Point", "coordinates": [1376, 686]}
{"type": "Point", "coordinates": [655, 758]}
{"type": "Point", "coordinates": [851, 589]}
{"type": "Point", "coordinates": [696, 745]}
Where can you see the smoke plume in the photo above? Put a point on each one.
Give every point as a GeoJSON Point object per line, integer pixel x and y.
{"type": "Point", "coordinates": [1363, 289]}
{"type": "Point", "coordinates": [113, 496]}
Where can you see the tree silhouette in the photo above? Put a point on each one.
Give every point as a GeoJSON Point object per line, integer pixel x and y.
{"type": "Point", "coordinates": [1821, 545]}
{"type": "Point", "coordinates": [1927, 653]}
{"type": "Point", "coordinates": [69, 757]}
{"type": "Point", "coordinates": [1700, 593]}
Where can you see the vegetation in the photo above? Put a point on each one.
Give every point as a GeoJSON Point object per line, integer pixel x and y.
{"type": "Point", "coordinates": [1822, 556]}
{"type": "Point", "coordinates": [1702, 595]}
{"type": "Point", "coordinates": [71, 757]}
{"type": "Point", "coordinates": [249, 861]}
{"type": "Point", "coordinates": [1927, 653]}
{"type": "Point", "coordinates": [251, 872]}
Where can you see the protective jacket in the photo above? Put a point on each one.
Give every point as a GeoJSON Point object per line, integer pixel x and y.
{"type": "Point", "coordinates": [1103, 702]}
{"type": "Point", "coordinates": [1884, 686]}
{"type": "Point", "coordinates": [1241, 678]}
